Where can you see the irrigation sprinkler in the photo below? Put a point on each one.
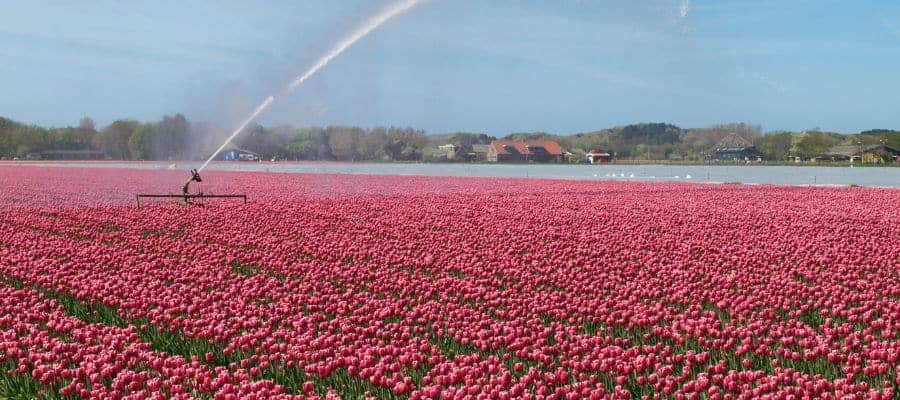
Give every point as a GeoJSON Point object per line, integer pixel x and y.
{"type": "Point", "coordinates": [186, 194]}
{"type": "Point", "coordinates": [195, 177]}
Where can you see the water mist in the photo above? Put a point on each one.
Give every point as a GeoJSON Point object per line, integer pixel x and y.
{"type": "Point", "coordinates": [360, 32]}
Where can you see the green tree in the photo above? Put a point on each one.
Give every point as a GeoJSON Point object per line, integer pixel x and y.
{"type": "Point", "coordinates": [7, 141]}
{"type": "Point", "coordinates": [140, 144]}
{"type": "Point", "coordinates": [113, 140]}
{"type": "Point", "coordinates": [405, 144]}
{"type": "Point", "coordinates": [170, 138]}
{"type": "Point", "coordinates": [775, 146]}
{"type": "Point", "coordinates": [410, 151]}
{"type": "Point", "coordinates": [343, 142]}
{"type": "Point", "coordinates": [371, 145]}
{"type": "Point", "coordinates": [86, 131]}
{"type": "Point", "coordinates": [299, 147]}
{"type": "Point", "coordinates": [19, 144]}
{"type": "Point", "coordinates": [468, 139]}
{"type": "Point", "coordinates": [814, 144]}
{"type": "Point", "coordinates": [887, 137]}
{"type": "Point", "coordinates": [650, 134]}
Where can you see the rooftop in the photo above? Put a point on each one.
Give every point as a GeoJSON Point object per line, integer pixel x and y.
{"type": "Point", "coordinates": [732, 142]}
{"type": "Point", "coordinates": [527, 147]}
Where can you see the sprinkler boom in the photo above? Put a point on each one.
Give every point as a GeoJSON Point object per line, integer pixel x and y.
{"type": "Point", "coordinates": [187, 195]}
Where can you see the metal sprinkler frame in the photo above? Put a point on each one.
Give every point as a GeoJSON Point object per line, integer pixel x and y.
{"type": "Point", "coordinates": [187, 196]}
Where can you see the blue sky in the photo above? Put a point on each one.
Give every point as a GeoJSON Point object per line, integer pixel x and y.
{"type": "Point", "coordinates": [485, 66]}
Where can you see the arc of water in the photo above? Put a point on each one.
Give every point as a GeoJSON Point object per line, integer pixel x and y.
{"type": "Point", "coordinates": [262, 107]}
{"type": "Point", "coordinates": [367, 27]}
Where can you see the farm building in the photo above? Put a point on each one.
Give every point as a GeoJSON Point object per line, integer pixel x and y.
{"type": "Point", "coordinates": [513, 151]}
{"type": "Point", "coordinates": [876, 153]}
{"type": "Point", "coordinates": [599, 157]}
{"type": "Point", "coordinates": [733, 147]}
{"type": "Point", "coordinates": [478, 152]}
{"type": "Point", "coordinates": [449, 151]}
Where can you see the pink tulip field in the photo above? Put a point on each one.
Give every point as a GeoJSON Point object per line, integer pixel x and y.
{"type": "Point", "coordinates": [404, 287]}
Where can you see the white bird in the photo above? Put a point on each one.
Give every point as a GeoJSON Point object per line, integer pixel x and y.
{"type": "Point", "coordinates": [688, 176]}
{"type": "Point", "coordinates": [631, 176]}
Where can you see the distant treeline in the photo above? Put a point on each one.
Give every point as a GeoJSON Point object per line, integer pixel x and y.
{"type": "Point", "coordinates": [662, 141]}
{"type": "Point", "coordinates": [175, 138]}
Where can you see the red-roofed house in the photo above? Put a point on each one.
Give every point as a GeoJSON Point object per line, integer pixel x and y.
{"type": "Point", "coordinates": [524, 151]}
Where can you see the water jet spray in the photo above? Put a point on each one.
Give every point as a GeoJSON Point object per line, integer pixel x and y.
{"type": "Point", "coordinates": [370, 25]}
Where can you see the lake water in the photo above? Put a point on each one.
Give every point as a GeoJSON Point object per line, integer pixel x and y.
{"type": "Point", "coordinates": [779, 175]}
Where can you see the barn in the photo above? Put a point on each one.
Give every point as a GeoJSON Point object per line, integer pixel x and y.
{"type": "Point", "coordinates": [517, 151]}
